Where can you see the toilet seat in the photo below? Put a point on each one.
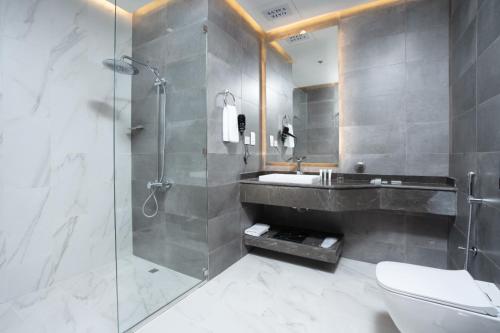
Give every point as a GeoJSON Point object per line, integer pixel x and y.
{"type": "Point", "coordinates": [455, 288]}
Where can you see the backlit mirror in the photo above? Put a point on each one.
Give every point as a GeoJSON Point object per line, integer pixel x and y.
{"type": "Point", "coordinates": [302, 109]}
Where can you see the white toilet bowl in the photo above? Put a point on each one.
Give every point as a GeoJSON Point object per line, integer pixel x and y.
{"type": "Point", "coordinates": [423, 299]}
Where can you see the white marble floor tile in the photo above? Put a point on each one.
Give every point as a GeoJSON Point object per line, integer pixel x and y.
{"type": "Point", "coordinates": [262, 294]}
{"type": "Point", "coordinates": [87, 302]}
{"type": "Point", "coordinates": [142, 293]}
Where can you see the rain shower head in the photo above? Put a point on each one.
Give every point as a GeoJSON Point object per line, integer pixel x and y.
{"type": "Point", "coordinates": [120, 66]}
{"type": "Point", "coordinates": [123, 67]}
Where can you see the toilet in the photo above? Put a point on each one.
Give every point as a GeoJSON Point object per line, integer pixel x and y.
{"type": "Point", "coordinates": [424, 299]}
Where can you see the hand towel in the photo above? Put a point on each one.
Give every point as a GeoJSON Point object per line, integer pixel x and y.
{"type": "Point", "coordinates": [257, 229]}
{"type": "Point", "coordinates": [230, 124]}
{"type": "Point", "coordinates": [290, 141]}
{"type": "Point", "coordinates": [328, 242]}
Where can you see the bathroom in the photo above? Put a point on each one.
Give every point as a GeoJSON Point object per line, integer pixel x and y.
{"type": "Point", "coordinates": [249, 165]}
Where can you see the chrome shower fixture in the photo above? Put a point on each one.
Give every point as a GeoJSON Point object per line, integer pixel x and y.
{"type": "Point", "coordinates": [125, 65]}
{"type": "Point", "coordinates": [120, 66]}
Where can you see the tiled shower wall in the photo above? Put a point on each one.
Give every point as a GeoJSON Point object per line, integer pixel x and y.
{"type": "Point", "coordinates": [232, 63]}
{"type": "Point", "coordinates": [172, 38]}
{"type": "Point", "coordinates": [203, 48]}
{"type": "Point", "coordinates": [394, 89]}
{"type": "Point", "coordinates": [56, 143]}
{"type": "Point", "coordinates": [475, 105]}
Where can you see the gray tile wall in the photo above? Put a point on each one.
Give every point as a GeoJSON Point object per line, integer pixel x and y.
{"type": "Point", "coordinates": [475, 139]}
{"type": "Point", "coordinates": [279, 98]}
{"type": "Point", "coordinates": [232, 63]}
{"type": "Point", "coordinates": [172, 38]}
{"type": "Point", "coordinates": [322, 125]}
{"type": "Point", "coordinates": [395, 95]}
{"type": "Point", "coordinates": [375, 236]}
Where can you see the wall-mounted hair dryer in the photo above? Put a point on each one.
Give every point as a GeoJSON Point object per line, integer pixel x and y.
{"type": "Point", "coordinates": [241, 123]}
{"type": "Point", "coordinates": [286, 132]}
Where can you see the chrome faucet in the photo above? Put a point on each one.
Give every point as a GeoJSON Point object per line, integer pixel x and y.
{"type": "Point", "coordinates": [299, 161]}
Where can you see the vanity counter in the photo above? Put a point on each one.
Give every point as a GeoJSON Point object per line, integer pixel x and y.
{"type": "Point", "coordinates": [350, 184]}
{"type": "Point", "coordinates": [433, 195]}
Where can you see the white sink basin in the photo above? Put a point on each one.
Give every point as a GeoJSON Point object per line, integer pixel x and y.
{"type": "Point", "coordinates": [289, 178]}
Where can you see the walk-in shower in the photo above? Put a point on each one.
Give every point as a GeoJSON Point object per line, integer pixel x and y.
{"type": "Point", "coordinates": [100, 148]}
{"type": "Point", "coordinates": [160, 169]}
{"type": "Point", "coordinates": [121, 66]}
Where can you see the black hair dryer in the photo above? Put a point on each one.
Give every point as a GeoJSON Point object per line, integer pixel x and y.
{"type": "Point", "coordinates": [241, 123]}
{"type": "Point", "coordinates": [286, 132]}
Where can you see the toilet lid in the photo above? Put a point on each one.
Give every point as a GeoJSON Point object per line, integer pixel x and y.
{"type": "Point", "coordinates": [455, 288]}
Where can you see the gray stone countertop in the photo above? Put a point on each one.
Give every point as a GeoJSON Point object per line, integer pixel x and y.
{"type": "Point", "coordinates": [354, 184]}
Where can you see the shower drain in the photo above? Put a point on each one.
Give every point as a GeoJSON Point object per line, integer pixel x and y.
{"type": "Point", "coordinates": [154, 270]}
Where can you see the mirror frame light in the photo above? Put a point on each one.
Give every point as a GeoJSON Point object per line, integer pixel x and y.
{"type": "Point", "coordinates": [270, 38]}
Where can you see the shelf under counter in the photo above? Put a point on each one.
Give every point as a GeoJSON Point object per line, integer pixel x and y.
{"type": "Point", "coordinates": [309, 248]}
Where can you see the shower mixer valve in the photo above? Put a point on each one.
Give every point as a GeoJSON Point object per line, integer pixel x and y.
{"type": "Point", "coordinates": [162, 186]}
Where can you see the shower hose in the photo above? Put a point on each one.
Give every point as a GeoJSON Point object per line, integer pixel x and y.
{"type": "Point", "coordinates": [159, 184]}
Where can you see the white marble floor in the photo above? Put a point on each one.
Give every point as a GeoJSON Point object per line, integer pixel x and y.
{"type": "Point", "coordinates": [142, 293]}
{"type": "Point", "coordinates": [87, 303]}
{"type": "Point", "coordinates": [263, 294]}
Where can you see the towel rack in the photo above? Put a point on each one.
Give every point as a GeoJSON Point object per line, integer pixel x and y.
{"type": "Point", "coordinates": [285, 120]}
{"type": "Point", "coordinates": [226, 94]}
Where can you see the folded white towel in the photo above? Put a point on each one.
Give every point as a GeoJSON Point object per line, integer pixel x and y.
{"type": "Point", "coordinates": [230, 124]}
{"type": "Point", "coordinates": [257, 229]}
{"type": "Point", "coordinates": [290, 141]}
{"type": "Point", "coordinates": [328, 242]}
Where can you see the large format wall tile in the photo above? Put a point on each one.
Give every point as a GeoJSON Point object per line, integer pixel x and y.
{"type": "Point", "coordinates": [56, 145]}
{"type": "Point", "coordinates": [464, 52]}
{"type": "Point", "coordinates": [463, 132]}
{"type": "Point", "coordinates": [427, 138]}
{"type": "Point", "coordinates": [488, 73]}
{"type": "Point", "coordinates": [475, 139]}
{"type": "Point", "coordinates": [382, 51]}
{"type": "Point", "coordinates": [375, 81]}
{"type": "Point", "coordinates": [374, 24]}
{"type": "Point", "coordinates": [488, 24]}
{"type": "Point", "coordinates": [488, 118]}
{"type": "Point", "coordinates": [360, 111]}
{"type": "Point", "coordinates": [394, 87]}
{"type": "Point", "coordinates": [424, 15]}
{"type": "Point", "coordinates": [379, 139]}
{"type": "Point", "coordinates": [464, 12]}
{"type": "Point", "coordinates": [233, 63]}
{"type": "Point", "coordinates": [463, 92]}
{"type": "Point", "coordinates": [429, 44]}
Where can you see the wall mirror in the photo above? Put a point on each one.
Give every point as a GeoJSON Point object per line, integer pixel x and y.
{"type": "Point", "coordinates": [302, 104]}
